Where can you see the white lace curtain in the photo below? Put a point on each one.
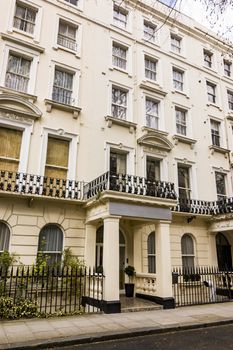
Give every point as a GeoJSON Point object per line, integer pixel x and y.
{"type": "Point", "coordinates": [4, 237]}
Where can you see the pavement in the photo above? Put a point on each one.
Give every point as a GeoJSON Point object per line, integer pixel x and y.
{"type": "Point", "coordinates": [87, 328]}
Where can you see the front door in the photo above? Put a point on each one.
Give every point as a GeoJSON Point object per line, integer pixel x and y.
{"type": "Point", "coordinates": [99, 255]}
{"type": "Point", "coordinates": [223, 252]}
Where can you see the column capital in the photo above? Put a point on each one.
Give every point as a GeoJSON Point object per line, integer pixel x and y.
{"type": "Point", "coordinates": [111, 218]}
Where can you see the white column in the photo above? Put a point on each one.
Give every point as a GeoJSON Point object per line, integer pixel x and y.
{"type": "Point", "coordinates": [90, 243]}
{"type": "Point", "coordinates": [163, 260]}
{"type": "Point", "coordinates": [213, 260]}
{"type": "Point", "coordinates": [111, 259]}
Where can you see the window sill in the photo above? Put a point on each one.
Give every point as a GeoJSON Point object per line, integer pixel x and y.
{"type": "Point", "coordinates": [22, 43]}
{"type": "Point", "coordinates": [181, 93]}
{"type": "Point", "coordinates": [69, 5]}
{"type": "Point", "coordinates": [68, 108]}
{"type": "Point", "coordinates": [30, 97]}
{"type": "Point", "coordinates": [124, 30]}
{"type": "Point", "coordinates": [218, 149]}
{"type": "Point", "coordinates": [120, 70]}
{"type": "Point", "coordinates": [153, 87]}
{"type": "Point", "coordinates": [125, 123]}
{"type": "Point", "coordinates": [210, 104]}
{"type": "Point", "coordinates": [180, 55]}
{"type": "Point", "coordinates": [153, 43]}
{"type": "Point", "coordinates": [157, 131]}
{"type": "Point", "coordinates": [210, 69]}
{"type": "Point", "coordinates": [66, 49]}
{"type": "Point", "coordinates": [184, 139]}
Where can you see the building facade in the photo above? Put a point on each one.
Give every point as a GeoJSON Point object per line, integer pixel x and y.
{"type": "Point", "coordinates": [115, 139]}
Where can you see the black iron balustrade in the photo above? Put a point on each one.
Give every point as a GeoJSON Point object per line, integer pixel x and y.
{"type": "Point", "coordinates": [195, 206]}
{"type": "Point", "coordinates": [130, 184]}
{"type": "Point", "coordinates": [23, 183]}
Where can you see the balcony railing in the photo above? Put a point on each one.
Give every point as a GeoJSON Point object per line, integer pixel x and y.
{"type": "Point", "coordinates": [130, 184]}
{"type": "Point", "coordinates": [40, 185]}
{"type": "Point", "coordinates": [195, 206]}
{"type": "Point", "coordinates": [22, 183]}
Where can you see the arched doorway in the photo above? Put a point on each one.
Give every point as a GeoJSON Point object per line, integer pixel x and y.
{"type": "Point", "coordinates": [99, 254]}
{"type": "Point", "coordinates": [223, 252]}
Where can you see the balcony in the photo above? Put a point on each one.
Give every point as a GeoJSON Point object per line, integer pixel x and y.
{"type": "Point", "coordinates": [129, 184]}
{"type": "Point", "coordinates": [42, 186]}
{"type": "Point", "coordinates": [36, 185]}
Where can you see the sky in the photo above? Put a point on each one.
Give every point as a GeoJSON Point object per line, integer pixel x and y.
{"type": "Point", "coordinates": [221, 24]}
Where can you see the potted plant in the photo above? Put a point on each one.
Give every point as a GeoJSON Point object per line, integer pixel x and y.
{"type": "Point", "coordinates": [129, 287]}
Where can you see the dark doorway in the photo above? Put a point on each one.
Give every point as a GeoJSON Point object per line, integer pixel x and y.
{"type": "Point", "coordinates": [223, 252]}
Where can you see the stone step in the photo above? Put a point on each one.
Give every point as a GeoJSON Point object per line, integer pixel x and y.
{"type": "Point", "coordinates": [141, 308]}
{"type": "Point", "coordinates": [137, 305]}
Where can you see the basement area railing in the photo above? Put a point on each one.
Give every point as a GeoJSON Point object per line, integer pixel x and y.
{"type": "Point", "coordinates": [53, 290]}
{"type": "Point", "coordinates": [201, 285]}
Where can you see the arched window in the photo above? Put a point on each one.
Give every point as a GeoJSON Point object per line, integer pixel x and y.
{"type": "Point", "coordinates": [187, 251]}
{"type": "Point", "coordinates": [4, 237]}
{"type": "Point", "coordinates": [151, 253]}
{"type": "Point", "coordinates": [51, 243]}
{"type": "Point", "coordinates": [99, 249]}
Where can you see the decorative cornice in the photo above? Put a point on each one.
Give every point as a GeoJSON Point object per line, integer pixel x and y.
{"type": "Point", "coordinates": [154, 139]}
{"type": "Point", "coordinates": [21, 42]}
{"type": "Point", "coordinates": [27, 109]}
{"type": "Point", "coordinates": [68, 108]}
{"type": "Point", "coordinates": [125, 123]}
{"type": "Point", "coordinates": [184, 139]}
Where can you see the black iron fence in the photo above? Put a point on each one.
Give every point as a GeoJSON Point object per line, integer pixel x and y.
{"type": "Point", "coordinates": [201, 285]}
{"type": "Point", "coordinates": [53, 290]}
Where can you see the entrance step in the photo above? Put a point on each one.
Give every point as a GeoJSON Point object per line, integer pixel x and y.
{"type": "Point", "coordinates": [137, 304]}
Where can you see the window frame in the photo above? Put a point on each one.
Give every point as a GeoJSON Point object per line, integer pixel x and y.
{"type": "Point", "coordinates": [27, 129]}
{"type": "Point", "coordinates": [176, 48]}
{"type": "Point", "coordinates": [156, 160]}
{"type": "Point", "coordinates": [51, 252]}
{"type": "Point", "coordinates": [188, 255]}
{"type": "Point", "coordinates": [78, 37]}
{"type": "Point", "coordinates": [221, 196]}
{"type": "Point", "coordinates": [64, 90]}
{"type": "Point", "coordinates": [153, 254]}
{"type": "Point", "coordinates": [186, 189]}
{"type": "Point", "coordinates": [185, 125]}
{"type": "Point", "coordinates": [123, 149]}
{"type": "Point", "coordinates": [73, 149]}
{"type": "Point", "coordinates": [179, 82]}
{"type": "Point", "coordinates": [154, 38]}
{"type": "Point", "coordinates": [128, 90]}
{"type": "Point", "coordinates": [30, 4]}
{"type": "Point", "coordinates": [227, 72]}
{"type": "Point", "coordinates": [215, 128]}
{"type": "Point", "coordinates": [154, 61]}
{"type": "Point", "coordinates": [8, 240]}
{"type": "Point", "coordinates": [148, 98]}
{"type": "Point", "coordinates": [211, 97]}
{"type": "Point", "coordinates": [25, 53]}
{"type": "Point", "coordinates": [230, 102]}
{"type": "Point", "coordinates": [123, 11]}
{"type": "Point", "coordinates": [208, 58]}
{"type": "Point", "coordinates": [124, 48]}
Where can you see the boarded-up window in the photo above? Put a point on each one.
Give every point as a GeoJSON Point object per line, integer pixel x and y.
{"type": "Point", "coordinates": [10, 145]}
{"type": "Point", "coordinates": [57, 158]}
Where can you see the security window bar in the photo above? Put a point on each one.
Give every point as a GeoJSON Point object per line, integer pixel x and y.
{"type": "Point", "coordinates": [119, 103]}
{"type": "Point", "coordinates": [18, 73]}
{"type": "Point", "coordinates": [211, 92]}
{"type": "Point", "coordinates": [118, 162]}
{"type": "Point", "coordinates": [152, 117]}
{"type": "Point", "coordinates": [149, 31]}
{"type": "Point", "coordinates": [207, 59]}
{"type": "Point", "coordinates": [230, 99]}
{"type": "Point", "coordinates": [175, 43]}
{"type": "Point", "coordinates": [220, 180]}
{"type": "Point", "coordinates": [227, 68]}
{"type": "Point", "coordinates": [63, 87]}
{"type": "Point", "coordinates": [120, 17]}
{"type": "Point", "coordinates": [215, 134]}
{"type": "Point", "coordinates": [178, 79]}
{"type": "Point", "coordinates": [25, 18]}
{"type": "Point", "coordinates": [150, 68]}
{"type": "Point", "coordinates": [183, 182]}
{"type": "Point", "coordinates": [181, 125]}
{"type": "Point", "coordinates": [57, 158]}
{"type": "Point", "coordinates": [73, 2]}
{"type": "Point", "coordinates": [152, 169]}
{"type": "Point", "coordinates": [67, 35]}
{"type": "Point", "coordinates": [10, 146]}
{"type": "Point", "coordinates": [119, 55]}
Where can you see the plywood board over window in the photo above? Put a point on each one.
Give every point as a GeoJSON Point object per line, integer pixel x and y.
{"type": "Point", "coordinates": [10, 145]}
{"type": "Point", "coordinates": [57, 158]}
